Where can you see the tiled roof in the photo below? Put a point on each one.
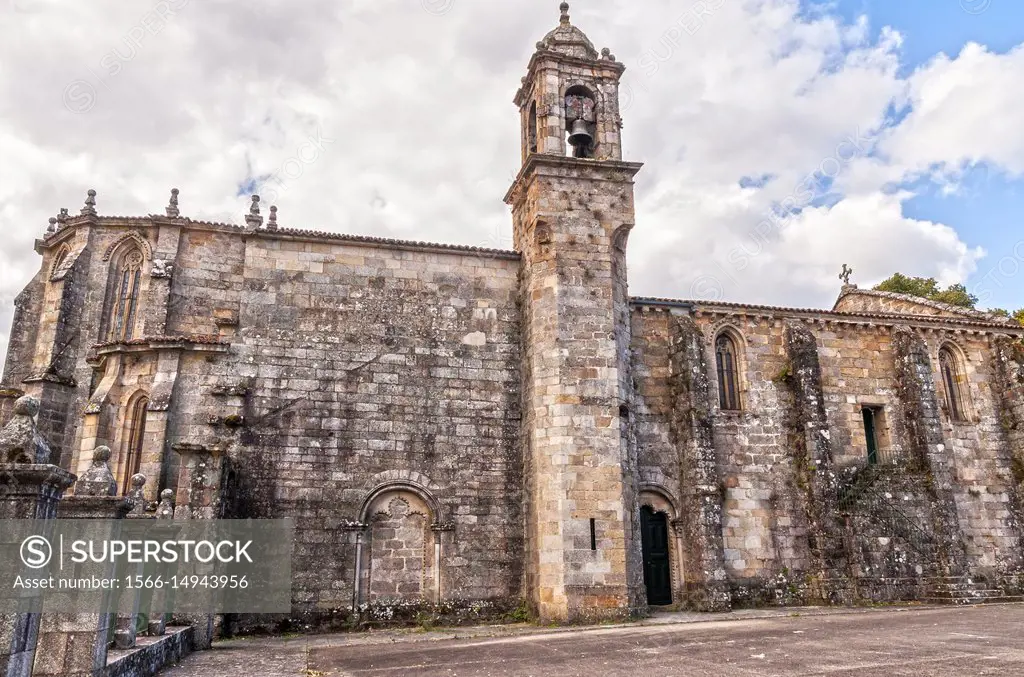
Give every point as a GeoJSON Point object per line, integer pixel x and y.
{"type": "Point", "coordinates": [887, 317]}
{"type": "Point", "coordinates": [302, 234]}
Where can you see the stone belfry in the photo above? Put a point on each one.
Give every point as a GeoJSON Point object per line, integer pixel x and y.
{"type": "Point", "coordinates": [573, 210]}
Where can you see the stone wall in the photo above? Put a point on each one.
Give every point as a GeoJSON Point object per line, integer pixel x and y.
{"type": "Point", "coordinates": [352, 368]}
{"type": "Point", "coordinates": [802, 513]}
{"type": "Point", "coordinates": [325, 370]}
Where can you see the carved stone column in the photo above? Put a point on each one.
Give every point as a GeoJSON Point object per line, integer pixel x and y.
{"type": "Point", "coordinates": [706, 587]}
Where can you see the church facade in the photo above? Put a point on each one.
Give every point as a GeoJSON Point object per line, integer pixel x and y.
{"type": "Point", "coordinates": [454, 423]}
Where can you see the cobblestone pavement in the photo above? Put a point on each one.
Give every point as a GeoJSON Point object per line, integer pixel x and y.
{"type": "Point", "coordinates": [891, 643]}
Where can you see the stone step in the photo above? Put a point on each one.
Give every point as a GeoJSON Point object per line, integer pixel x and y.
{"type": "Point", "coordinates": [992, 599]}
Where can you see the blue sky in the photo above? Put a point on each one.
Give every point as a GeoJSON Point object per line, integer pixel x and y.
{"type": "Point", "coordinates": [988, 209]}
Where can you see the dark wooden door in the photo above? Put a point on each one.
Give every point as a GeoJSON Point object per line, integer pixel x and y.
{"type": "Point", "coordinates": [657, 571]}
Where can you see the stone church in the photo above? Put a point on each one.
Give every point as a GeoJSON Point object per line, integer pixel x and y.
{"type": "Point", "coordinates": [454, 423]}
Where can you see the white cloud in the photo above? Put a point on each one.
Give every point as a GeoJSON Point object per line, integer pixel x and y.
{"type": "Point", "coordinates": [421, 136]}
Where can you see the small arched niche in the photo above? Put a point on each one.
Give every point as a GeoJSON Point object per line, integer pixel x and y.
{"type": "Point", "coordinates": [400, 554]}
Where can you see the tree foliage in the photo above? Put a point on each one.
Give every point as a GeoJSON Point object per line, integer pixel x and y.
{"type": "Point", "coordinates": [954, 294]}
{"type": "Point", "coordinates": [928, 288]}
{"type": "Point", "coordinates": [1018, 316]}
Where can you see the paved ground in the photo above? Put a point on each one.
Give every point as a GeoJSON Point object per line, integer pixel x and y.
{"type": "Point", "coordinates": [891, 643]}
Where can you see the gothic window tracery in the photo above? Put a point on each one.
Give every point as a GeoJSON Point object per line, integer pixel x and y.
{"type": "Point", "coordinates": [128, 279]}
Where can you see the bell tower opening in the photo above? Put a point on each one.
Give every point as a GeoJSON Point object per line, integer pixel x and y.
{"type": "Point", "coordinates": [580, 122]}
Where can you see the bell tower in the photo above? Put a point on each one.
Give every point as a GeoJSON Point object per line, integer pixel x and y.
{"type": "Point", "coordinates": [573, 209]}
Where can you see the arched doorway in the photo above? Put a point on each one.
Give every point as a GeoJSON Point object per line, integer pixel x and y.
{"type": "Point", "coordinates": [657, 564]}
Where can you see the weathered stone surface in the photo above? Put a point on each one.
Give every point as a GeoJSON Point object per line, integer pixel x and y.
{"type": "Point", "coordinates": [457, 425]}
{"type": "Point", "coordinates": [20, 441]}
{"type": "Point", "coordinates": [98, 480]}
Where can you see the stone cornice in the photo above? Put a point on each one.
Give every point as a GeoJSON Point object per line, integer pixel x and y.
{"type": "Point", "coordinates": [544, 164]}
{"type": "Point", "coordinates": [210, 344]}
{"type": "Point", "coordinates": [811, 315]}
{"type": "Point", "coordinates": [541, 56]}
{"type": "Point", "coordinates": [292, 234]}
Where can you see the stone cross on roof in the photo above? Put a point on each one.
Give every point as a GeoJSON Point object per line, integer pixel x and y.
{"type": "Point", "coordinates": [845, 275]}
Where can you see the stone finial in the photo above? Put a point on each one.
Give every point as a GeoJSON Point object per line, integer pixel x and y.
{"type": "Point", "coordinates": [564, 7]}
{"type": "Point", "coordinates": [138, 484]}
{"type": "Point", "coordinates": [52, 228]}
{"type": "Point", "coordinates": [62, 218]}
{"type": "Point", "coordinates": [26, 405]}
{"type": "Point", "coordinates": [98, 480]}
{"type": "Point", "coordinates": [165, 511]}
{"type": "Point", "coordinates": [272, 225]}
{"type": "Point", "coordinates": [172, 205]}
{"type": "Point", "coordinates": [253, 218]}
{"type": "Point", "coordinates": [845, 275]}
{"type": "Point", "coordinates": [90, 204]}
{"type": "Point", "coordinates": [20, 441]}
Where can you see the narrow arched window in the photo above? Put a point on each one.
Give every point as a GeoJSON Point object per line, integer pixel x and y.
{"type": "Point", "coordinates": [134, 440]}
{"type": "Point", "coordinates": [531, 136]}
{"type": "Point", "coordinates": [126, 300]}
{"type": "Point", "coordinates": [726, 357]}
{"type": "Point", "coordinates": [952, 382]}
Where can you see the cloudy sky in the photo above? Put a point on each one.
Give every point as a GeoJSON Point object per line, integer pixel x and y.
{"type": "Point", "coordinates": [781, 138]}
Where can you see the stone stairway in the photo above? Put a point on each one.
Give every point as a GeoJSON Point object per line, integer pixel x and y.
{"type": "Point", "coordinates": [961, 590]}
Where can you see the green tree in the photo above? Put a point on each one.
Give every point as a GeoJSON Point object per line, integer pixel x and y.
{"type": "Point", "coordinates": [928, 288]}
{"type": "Point", "coordinates": [1018, 316]}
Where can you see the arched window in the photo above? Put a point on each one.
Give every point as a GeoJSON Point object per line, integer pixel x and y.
{"type": "Point", "coordinates": [726, 357]}
{"type": "Point", "coordinates": [135, 431]}
{"type": "Point", "coordinates": [531, 137]}
{"type": "Point", "coordinates": [128, 278]}
{"type": "Point", "coordinates": [952, 382]}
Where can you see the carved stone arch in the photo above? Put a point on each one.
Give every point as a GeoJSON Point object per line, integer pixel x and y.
{"type": "Point", "coordinates": [955, 344]}
{"type": "Point", "coordinates": [398, 481]}
{"type": "Point", "coordinates": [591, 87]}
{"type": "Point", "coordinates": [958, 404]}
{"type": "Point", "coordinates": [726, 324]}
{"type": "Point", "coordinates": [729, 378]}
{"type": "Point", "coordinates": [402, 556]}
{"type": "Point", "coordinates": [59, 257]}
{"type": "Point", "coordinates": [134, 237]}
{"type": "Point", "coordinates": [131, 442]}
{"type": "Point", "coordinates": [659, 499]}
{"type": "Point", "coordinates": [620, 238]}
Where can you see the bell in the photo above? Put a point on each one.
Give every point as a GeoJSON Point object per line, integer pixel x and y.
{"type": "Point", "coordinates": [580, 134]}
